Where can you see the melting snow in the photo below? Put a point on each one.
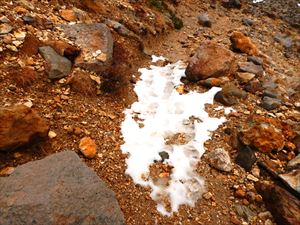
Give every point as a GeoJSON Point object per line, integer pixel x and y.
{"type": "Point", "coordinates": [160, 112]}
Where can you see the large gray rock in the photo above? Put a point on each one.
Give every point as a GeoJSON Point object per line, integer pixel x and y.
{"type": "Point", "coordinates": [59, 189]}
{"type": "Point", "coordinates": [57, 65]}
{"type": "Point", "coordinates": [96, 43]}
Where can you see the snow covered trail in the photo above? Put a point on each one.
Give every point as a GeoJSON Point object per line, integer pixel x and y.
{"type": "Point", "coordinates": [161, 112]}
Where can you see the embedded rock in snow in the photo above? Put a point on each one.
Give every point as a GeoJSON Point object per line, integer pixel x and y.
{"type": "Point", "coordinates": [210, 60]}
{"type": "Point", "coordinates": [59, 189]}
{"type": "Point", "coordinates": [220, 159]}
{"type": "Point", "coordinates": [96, 43]}
{"type": "Point", "coordinates": [19, 126]}
{"type": "Point", "coordinates": [292, 179]}
{"type": "Point", "coordinates": [243, 43]}
{"type": "Point", "coordinates": [229, 95]}
{"type": "Point", "coordinates": [284, 207]}
{"type": "Point", "coordinates": [250, 67]}
{"type": "Point", "coordinates": [57, 66]}
{"type": "Point", "coordinates": [204, 20]}
{"type": "Point", "coordinates": [270, 103]}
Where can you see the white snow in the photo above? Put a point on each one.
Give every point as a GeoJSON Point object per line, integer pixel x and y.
{"type": "Point", "coordinates": [161, 112]}
{"type": "Point", "coordinates": [257, 1]}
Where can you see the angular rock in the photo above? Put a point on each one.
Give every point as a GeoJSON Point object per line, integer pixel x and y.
{"type": "Point", "coordinates": [220, 159]}
{"type": "Point", "coordinates": [81, 82]}
{"type": "Point", "coordinates": [5, 28]}
{"type": "Point", "coordinates": [286, 41]}
{"type": "Point", "coordinates": [96, 43]}
{"type": "Point", "coordinates": [256, 60]}
{"type": "Point", "coordinates": [284, 207]}
{"type": "Point", "coordinates": [68, 15]}
{"type": "Point", "coordinates": [245, 77]}
{"type": "Point", "coordinates": [232, 4]}
{"type": "Point", "coordinates": [210, 60]}
{"type": "Point", "coordinates": [59, 189]}
{"type": "Point", "coordinates": [229, 95]}
{"type": "Point", "coordinates": [270, 103]}
{"type": "Point", "coordinates": [292, 179]}
{"type": "Point", "coordinates": [57, 66]}
{"type": "Point", "coordinates": [245, 212]}
{"type": "Point", "coordinates": [250, 67]}
{"type": "Point", "coordinates": [295, 162]}
{"type": "Point", "coordinates": [245, 157]}
{"type": "Point", "coordinates": [247, 22]}
{"type": "Point", "coordinates": [19, 126]}
{"type": "Point", "coordinates": [266, 134]}
{"type": "Point", "coordinates": [88, 147]}
{"type": "Point", "coordinates": [204, 20]}
{"type": "Point", "coordinates": [254, 86]}
{"type": "Point", "coordinates": [243, 43]}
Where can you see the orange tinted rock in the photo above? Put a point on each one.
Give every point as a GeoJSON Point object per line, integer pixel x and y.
{"type": "Point", "coordinates": [19, 126]}
{"type": "Point", "coordinates": [210, 60]}
{"type": "Point", "coordinates": [243, 43]}
{"type": "Point", "coordinates": [68, 15]}
{"type": "Point", "coordinates": [81, 82]}
{"type": "Point", "coordinates": [266, 134]}
{"type": "Point", "coordinates": [64, 49]}
{"type": "Point", "coordinates": [30, 46]}
{"type": "Point", "coordinates": [88, 147]}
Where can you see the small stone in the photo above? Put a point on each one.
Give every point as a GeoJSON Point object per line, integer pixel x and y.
{"type": "Point", "coordinates": [207, 195]}
{"type": "Point", "coordinates": [243, 43]}
{"type": "Point", "coordinates": [102, 57]}
{"type": "Point", "coordinates": [88, 147]}
{"type": "Point", "coordinates": [246, 157]}
{"type": "Point", "coordinates": [20, 36]}
{"type": "Point", "coordinates": [220, 159]}
{"type": "Point", "coordinates": [252, 178]}
{"type": "Point", "coordinates": [204, 20]}
{"type": "Point", "coordinates": [247, 22]}
{"type": "Point", "coordinates": [256, 60]}
{"type": "Point", "coordinates": [59, 66]}
{"type": "Point", "coordinates": [5, 28]}
{"type": "Point", "coordinates": [68, 15]}
{"type": "Point", "coordinates": [4, 19]}
{"type": "Point", "coordinates": [29, 104]}
{"type": "Point", "coordinates": [250, 67]}
{"type": "Point", "coordinates": [245, 77]}
{"type": "Point", "coordinates": [240, 193]}
{"type": "Point", "coordinates": [270, 103]}
{"type": "Point", "coordinates": [28, 19]}
{"type": "Point", "coordinates": [52, 134]}
{"type": "Point", "coordinates": [244, 212]}
{"type": "Point", "coordinates": [286, 41]}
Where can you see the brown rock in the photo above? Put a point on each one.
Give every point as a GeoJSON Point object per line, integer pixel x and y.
{"type": "Point", "coordinates": [68, 15]}
{"type": "Point", "coordinates": [64, 49]}
{"type": "Point", "coordinates": [266, 134]}
{"type": "Point", "coordinates": [23, 76]}
{"type": "Point", "coordinates": [210, 60]}
{"type": "Point", "coordinates": [88, 147]}
{"type": "Point", "coordinates": [284, 207]}
{"type": "Point", "coordinates": [229, 95]}
{"type": "Point", "coordinates": [243, 43]}
{"type": "Point", "coordinates": [20, 126]}
{"type": "Point", "coordinates": [94, 40]}
{"type": "Point", "coordinates": [30, 46]}
{"type": "Point", "coordinates": [81, 82]}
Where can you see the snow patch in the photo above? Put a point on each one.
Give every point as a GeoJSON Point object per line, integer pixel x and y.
{"type": "Point", "coordinates": [161, 112]}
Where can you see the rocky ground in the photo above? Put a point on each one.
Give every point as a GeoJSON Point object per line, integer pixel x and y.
{"type": "Point", "coordinates": [67, 73]}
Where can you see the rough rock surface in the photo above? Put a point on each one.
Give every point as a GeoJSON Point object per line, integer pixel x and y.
{"type": "Point", "coordinates": [284, 207]}
{"type": "Point", "coordinates": [243, 43]}
{"type": "Point", "coordinates": [59, 66]}
{"type": "Point", "coordinates": [220, 159]}
{"type": "Point", "coordinates": [20, 126]}
{"type": "Point", "coordinates": [210, 60]}
{"type": "Point", "coordinates": [59, 189]}
{"type": "Point", "coordinates": [292, 179]}
{"type": "Point", "coordinates": [96, 43]}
